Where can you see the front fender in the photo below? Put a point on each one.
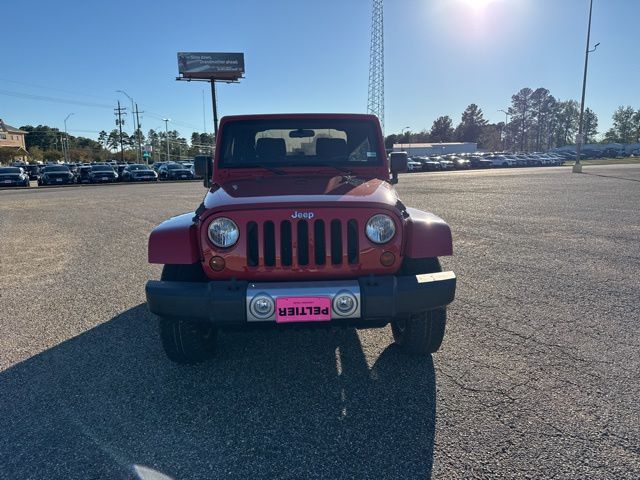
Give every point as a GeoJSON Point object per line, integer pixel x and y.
{"type": "Point", "coordinates": [427, 235]}
{"type": "Point", "coordinates": [175, 241]}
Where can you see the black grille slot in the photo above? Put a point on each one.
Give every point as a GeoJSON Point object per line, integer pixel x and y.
{"type": "Point", "coordinates": [269, 244]}
{"type": "Point", "coordinates": [319, 242]}
{"type": "Point", "coordinates": [336, 242]}
{"type": "Point", "coordinates": [286, 249]}
{"type": "Point", "coordinates": [352, 241]}
{"type": "Point", "coordinates": [252, 244]}
{"type": "Point", "coordinates": [303, 242]}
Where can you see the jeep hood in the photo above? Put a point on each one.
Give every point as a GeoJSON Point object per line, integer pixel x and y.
{"type": "Point", "coordinates": [298, 192]}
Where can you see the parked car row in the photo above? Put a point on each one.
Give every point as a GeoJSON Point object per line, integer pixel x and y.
{"type": "Point", "coordinates": [99, 172]}
{"type": "Point", "coordinates": [467, 161]}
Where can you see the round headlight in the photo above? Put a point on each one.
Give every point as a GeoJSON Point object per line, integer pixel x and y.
{"type": "Point", "coordinates": [223, 232]}
{"type": "Point", "coordinates": [380, 228]}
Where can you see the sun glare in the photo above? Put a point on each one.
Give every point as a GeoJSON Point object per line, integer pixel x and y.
{"type": "Point", "coordinates": [477, 4]}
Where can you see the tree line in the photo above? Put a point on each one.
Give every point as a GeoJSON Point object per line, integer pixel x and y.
{"type": "Point", "coordinates": [535, 121]}
{"type": "Point", "coordinates": [45, 143]}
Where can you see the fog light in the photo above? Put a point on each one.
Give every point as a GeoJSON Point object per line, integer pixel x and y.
{"type": "Point", "coordinates": [387, 259]}
{"type": "Point", "coordinates": [217, 264]}
{"type": "Point", "coordinates": [345, 303]}
{"type": "Point", "coordinates": [262, 306]}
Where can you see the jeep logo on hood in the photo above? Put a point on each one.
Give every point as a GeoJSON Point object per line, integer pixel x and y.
{"type": "Point", "coordinates": [305, 215]}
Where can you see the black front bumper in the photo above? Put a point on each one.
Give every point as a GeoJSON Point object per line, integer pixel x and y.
{"type": "Point", "coordinates": [223, 303]}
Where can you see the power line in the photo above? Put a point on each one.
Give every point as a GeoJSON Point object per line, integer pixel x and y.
{"type": "Point", "coordinates": [49, 87]}
{"type": "Point", "coordinates": [29, 96]}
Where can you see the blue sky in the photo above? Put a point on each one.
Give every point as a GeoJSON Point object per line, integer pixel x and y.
{"type": "Point", "coordinates": [302, 56]}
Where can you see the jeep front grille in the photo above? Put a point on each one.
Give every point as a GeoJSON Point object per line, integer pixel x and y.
{"type": "Point", "coordinates": [302, 242]}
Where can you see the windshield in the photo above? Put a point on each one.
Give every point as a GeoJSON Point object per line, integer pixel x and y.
{"type": "Point", "coordinates": [175, 166]}
{"type": "Point", "coordinates": [295, 142]}
{"type": "Point", "coordinates": [56, 169]}
{"type": "Point", "coordinates": [101, 168]}
{"type": "Point", "coordinates": [10, 170]}
{"type": "Point", "coordinates": [137, 167]}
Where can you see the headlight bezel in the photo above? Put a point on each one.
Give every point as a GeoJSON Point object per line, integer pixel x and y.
{"type": "Point", "coordinates": [392, 224]}
{"type": "Point", "coordinates": [220, 245]}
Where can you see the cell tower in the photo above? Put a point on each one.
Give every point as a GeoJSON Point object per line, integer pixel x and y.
{"type": "Point", "coordinates": [375, 99]}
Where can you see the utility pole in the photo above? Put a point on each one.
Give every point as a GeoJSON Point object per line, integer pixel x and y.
{"type": "Point", "coordinates": [204, 117]}
{"type": "Point", "coordinates": [166, 134]}
{"type": "Point", "coordinates": [138, 133]}
{"type": "Point", "coordinates": [65, 144]}
{"type": "Point", "coordinates": [120, 122]}
{"type": "Point", "coordinates": [134, 122]}
{"type": "Point", "coordinates": [577, 167]}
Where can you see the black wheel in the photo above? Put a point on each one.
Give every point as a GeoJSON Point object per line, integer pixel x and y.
{"type": "Point", "coordinates": [420, 334]}
{"type": "Point", "coordinates": [186, 342]}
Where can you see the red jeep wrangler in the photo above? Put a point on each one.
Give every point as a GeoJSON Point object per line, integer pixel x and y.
{"type": "Point", "coordinates": [300, 226]}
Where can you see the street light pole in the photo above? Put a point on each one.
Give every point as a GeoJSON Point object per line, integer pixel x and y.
{"type": "Point", "coordinates": [65, 147]}
{"type": "Point", "coordinates": [577, 167]}
{"type": "Point", "coordinates": [506, 121]}
{"type": "Point", "coordinates": [135, 125]}
{"type": "Point", "coordinates": [166, 134]}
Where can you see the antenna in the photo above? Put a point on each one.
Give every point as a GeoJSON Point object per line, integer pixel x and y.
{"type": "Point", "coordinates": [375, 98]}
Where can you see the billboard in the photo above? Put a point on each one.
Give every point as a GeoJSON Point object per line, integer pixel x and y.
{"type": "Point", "coordinates": [224, 66]}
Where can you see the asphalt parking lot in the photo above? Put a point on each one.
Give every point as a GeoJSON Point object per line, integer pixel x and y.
{"type": "Point", "coordinates": [538, 376]}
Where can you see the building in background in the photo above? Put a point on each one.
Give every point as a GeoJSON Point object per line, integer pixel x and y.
{"type": "Point", "coordinates": [426, 149]}
{"type": "Point", "coordinates": [12, 143]}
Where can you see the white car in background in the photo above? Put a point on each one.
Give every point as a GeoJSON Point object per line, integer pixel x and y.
{"type": "Point", "coordinates": [502, 161]}
{"type": "Point", "coordinates": [413, 166]}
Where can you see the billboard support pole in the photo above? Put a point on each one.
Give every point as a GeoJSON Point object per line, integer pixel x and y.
{"type": "Point", "coordinates": [214, 100]}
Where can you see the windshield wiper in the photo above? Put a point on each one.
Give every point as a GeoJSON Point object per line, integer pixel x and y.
{"type": "Point", "coordinates": [331, 165]}
{"type": "Point", "coordinates": [266, 167]}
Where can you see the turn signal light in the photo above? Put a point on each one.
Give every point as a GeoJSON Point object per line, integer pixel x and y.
{"type": "Point", "coordinates": [387, 259]}
{"type": "Point", "coordinates": [217, 264]}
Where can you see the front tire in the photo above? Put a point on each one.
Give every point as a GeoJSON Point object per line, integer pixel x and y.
{"type": "Point", "coordinates": [186, 342]}
{"type": "Point", "coordinates": [422, 333]}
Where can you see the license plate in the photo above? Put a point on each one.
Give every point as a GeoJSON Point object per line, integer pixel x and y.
{"type": "Point", "coordinates": [105, 178]}
{"type": "Point", "coordinates": [303, 309]}
{"type": "Point", "coordinates": [7, 181]}
{"type": "Point", "coordinates": [58, 179]}
{"type": "Point", "coordinates": [183, 176]}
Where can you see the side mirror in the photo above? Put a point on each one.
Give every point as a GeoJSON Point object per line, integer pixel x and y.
{"type": "Point", "coordinates": [397, 164]}
{"type": "Point", "coordinates": [203, 166]}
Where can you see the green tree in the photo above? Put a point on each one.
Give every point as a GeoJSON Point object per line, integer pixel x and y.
{"type": "Point", "coordinates": [389, 140]}
{"type": "Point", "coordinates": [113, 140]}
{"type": "Point", "coordinates": [589, 126]}
{"type": "Point", "coordinates": [36, 154]}
{"type": "Point", "coordinates": [471, 124]}
{"type": "Point", "coordinates": [6, 155]}
{"type": "Point", "coordinates": [491, 137]}
{"type": "Point", "coordinates": [566, 120]}
{"type": "Point", "coordinates": [442, 130]}
{"type": "Point", "coordinates": [624, 129]}
{"type": "Point", "coordinates": [521, 114]}
{"type": "Point", "coordinates": [52, 155]}
{"type": "Point", "coordinates": [543, 106]}
{"type": "Point", "coordinates": [41, 136]}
